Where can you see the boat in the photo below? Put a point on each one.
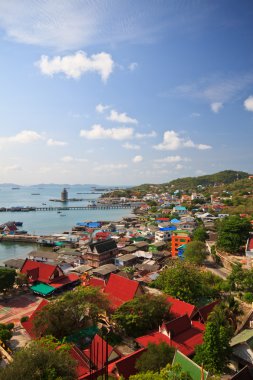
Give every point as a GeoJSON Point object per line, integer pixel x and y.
{"type": "Point", "coordinates": [58, 212]}
{"type": "Point", "coordinates": [44, 204]}
{"type": "Point", "coordinates": [19, 224]}
{"type": "Point", "coordinates": [15, 188]}
{"type": "Point", "coordinates": [35, 194]}
{"type": "Point", "coordinates": [63, 215]}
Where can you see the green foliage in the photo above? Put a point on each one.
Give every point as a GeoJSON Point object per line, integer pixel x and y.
{"type": "Point", "coordinates": [44, 359]}
{"type": "Point", "coordinates": [200, 234]}
{"type": "Point", "coordinates": [185, 281]}
{"type": "Point", "coordinates": [195, 252]}
{"type": "Point", "coordinates": [79, 308]}
{"type": "Point", "coordinates": [141, 314]}
{"type": "Point", "coordinates": [155, 358]}
{"type": "Point", "coordinates": [241, 279]}
{"type": "Point", "coordinates": [24, 319]}
{"type": "Point", "coordinates": [215, 350]}
{"type": "Point", "coordinates": [22, 279]}
{"type": "Point", "coordinates": [232, 233]}
{"type": "Point", "coordinates": [5, 335]}
{"type": "Point", "coordinates": [7, 278]}
{"type": "Point", "coordinates": [170, 372]}
{"type": "Point", "coordinates": [248, 297]}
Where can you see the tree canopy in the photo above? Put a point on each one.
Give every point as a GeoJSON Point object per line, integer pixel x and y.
{"type": "Point", "coordinates": [170, 372]}
{"type": "Point", "coordinates": [186, 282]}
{"type": "Point", "coordinates": [141, 314]}
{"type": "Point", "coordinates": [200, 234]}
{"type": "Point", "coordinates": [195, 252]}
{"type": "Point", "coordinates": [215, 350]}
{"type": "Point", "coordinates": [7, 278]}
{"type": "Point", "coordinates": [79, 307]}
{"type": "Point", "coordinates": [43, 359]}
{"type": "Point", "coordinates": [232, 233]}
{"type": "Point", "coordinates": [155, 358]}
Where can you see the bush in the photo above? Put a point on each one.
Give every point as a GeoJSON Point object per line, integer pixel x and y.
{"type": "Point", "coordinates": [5, 335]}
{"type": "Point", "coordinates": [248, 297]}
{"type": "Point", "coordinates": [9, 326]}
{"type": "Point", "coordinates": [24, 319]}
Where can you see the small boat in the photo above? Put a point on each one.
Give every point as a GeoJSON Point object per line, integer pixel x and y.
{"type": "Point", "coordinates": [35, 194]}
{"type": "Point", "coordinates": [58, 212]}
{"type": "Point", "coordinates": [62, 215]}
{"type": "Point", "coordinates": [44, 204]}
{"type": "Point", "coordinates": [19, 224]}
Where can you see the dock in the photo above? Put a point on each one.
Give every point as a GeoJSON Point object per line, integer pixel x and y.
{"type": "Point", "coordinates": [69, 208]}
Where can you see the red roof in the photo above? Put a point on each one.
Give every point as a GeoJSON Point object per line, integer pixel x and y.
{"type": "Point", "coordinates": [250, 246]}
{"type": "Point", "coordinates": [179, 308]}
{"type": "Point", "coordinates": [28, 325]}
{"type": "Point", "coordinates": [67, 279]}
{"type": "Point", "coordinates": [103, 235]}
{"type": "Point", "coordinates": [97, 352]}
{"type": "Point", "coordinates": [163, 219]}
{"type": "Point", "coordinates": [38, 271]}
{"type": "Point", "coordinates": [96, 282]}
{"type": "Point", "coordinates": [204, 311]}
{"type": "Point", "coordinates": [82, 366]}
{"type": "Point", "coordinates": [126, 365]}
{"type": "Point", "coordinates": [120, 290]}
{"type": "Point", "coordinates": [184, 335]}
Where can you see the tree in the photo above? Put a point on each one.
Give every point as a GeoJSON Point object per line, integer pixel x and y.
{"type": "Point", "coordinates": [141, 314]}
{"type": "Point", "coordinates": [200, 234]}
{"type": "Point", "coordinates": [215, 350]}
{"type": "Point", "coordinates": [45, 359]}
{"type": "Point", "coordinates": [232, 233]}
{"type": "Point", "coordinates": [22, 279]}
{"type": "Point", "coordinates": [195, 252]}
{"type": "Point", "coordinates": [170, 372]}
{"type": "Point", "coordinates": [80, 307]}
{"type": "Point", "coordinates": [181, 280]}
{"type": "Point", "coordinates": [155, 358]}
{"type": "Point", "coordinates": [7, 278]}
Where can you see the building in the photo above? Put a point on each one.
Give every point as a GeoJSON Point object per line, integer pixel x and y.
{"type": "Point", "coordinates": [64, 195]}
{"type": "Point", "coordinates": [101, 252]}
{"type": "Point", "coordinates": [178, 239]}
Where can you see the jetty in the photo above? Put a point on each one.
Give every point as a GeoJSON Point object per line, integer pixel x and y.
{"type": "Point", "coordinates": [69, 208]}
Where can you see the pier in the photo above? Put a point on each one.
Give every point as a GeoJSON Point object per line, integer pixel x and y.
{"type": "Point", "coordinates": [69, 208]}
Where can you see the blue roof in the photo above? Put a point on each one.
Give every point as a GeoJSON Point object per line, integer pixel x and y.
{"type": "Point", "coordinates": [175, 221]}
{"type": "Point", "coordinates": [89, 224]}
{"type": "Point", "coordinates": [171, 228]}
{"type": "Point", "coordinates": [181, 208]}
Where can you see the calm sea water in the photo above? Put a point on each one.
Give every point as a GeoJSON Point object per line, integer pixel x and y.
{"type": "Point", "coordinates": [48, 222]}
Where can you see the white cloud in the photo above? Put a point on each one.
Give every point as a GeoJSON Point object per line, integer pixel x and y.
{"type": "Point", "coordinates": [131, 146]}
{"type": "Point", "coordinates": [133, 66]}
{"type": "Point", "coordinates": [172, 159]}
{"type": "Point", "coordinates": [73, 159]}
{"type": "Point", "coordinates": [100, 108]}
{"type": "Point", "coordinates": [51, 142]}
{"type": "Point", "coordinates": [137, 159]}
{"type": "Point", "coordinates": [110, 167]}
{"type": "Point", "coordinates": [216, 106]}
{"type": "Point", "coordinates": [23, 137]}
{"type": "Point", "coordinates": [98, 132]}
{"type": "Point", "coordinates": [172, 141]}
{"type": "Point", "coordinates": [144, 135]}
{"type": "Point", "coordinates": [74, 66]}
{"type": "Point", "coordinates": [121, 118]}
{"type": "Point", "coordinates": [248, 103]}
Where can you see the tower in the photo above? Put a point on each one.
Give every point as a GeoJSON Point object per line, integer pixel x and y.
{"type": "Point", "coordinates": [64, 195]}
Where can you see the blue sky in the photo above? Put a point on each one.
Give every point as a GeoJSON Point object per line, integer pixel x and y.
{"type": "Point", "coordinates": [124, 92]}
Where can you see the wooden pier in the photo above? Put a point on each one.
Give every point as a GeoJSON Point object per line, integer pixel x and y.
{"type": "Point", "coordinates": [69, 208]}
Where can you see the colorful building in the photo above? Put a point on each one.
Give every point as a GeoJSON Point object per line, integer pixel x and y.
{"type": "Point", "coordinates": [179, 239]}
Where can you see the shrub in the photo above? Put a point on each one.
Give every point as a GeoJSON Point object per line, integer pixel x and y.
{"type": "Point", "coordinates": [248, 297]}
{"type": "Point", "coordinates": [24, 319]}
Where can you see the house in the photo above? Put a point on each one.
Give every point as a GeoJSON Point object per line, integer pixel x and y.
{"type": "Point", "coordinates": [178, 239]}
{"type": "Point", "coordinates": [14, 263]}
{"type": "Point", "coordinates": [104, 271]}
{"type": "Point", "coordinates": [164, 234]}
{"type": "Point", "coordinates": [242, 353]}
{"type": "Point", "coordinates": [249, 246]}
{"type": "Point", "coordinates": [120, 290]}
{"type": "Point", "coordinates": [179, 308]}
{"type": "Point", "coordinates": [181, 333]}
{"type": "Point", "coordinates": [101, 252]}
{"type": "Point", "coordinates": [180, 210]}
{"type": "Point", "coordinates": [43, 256]}
{"type": "Point", "coordinates": [204, 311]}
{"type": "Point", "coordinates": [194, 370]}
{"type": "Point", "coordinates": [126, 260]}
{"type": "Point", "coordinates": [243, 374]}
{"type": "Point", "coordinates": [125, 366]}
{"type": "Point", "coordinates": [47, 278]}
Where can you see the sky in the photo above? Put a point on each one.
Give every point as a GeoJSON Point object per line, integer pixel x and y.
{"type": "Point", "coordinates": [124, 92]}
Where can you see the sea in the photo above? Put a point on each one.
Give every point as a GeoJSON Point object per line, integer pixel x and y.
{"type": "Point", "coordinates": [49, 222]}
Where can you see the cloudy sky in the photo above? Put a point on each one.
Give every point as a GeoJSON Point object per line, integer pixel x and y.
{"type": "Point", "coordinates": [124, 92]}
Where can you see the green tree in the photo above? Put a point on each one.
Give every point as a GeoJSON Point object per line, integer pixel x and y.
{"type": "Point", "coordinates": [232, 233]}
{"type": "Point", "coordinates": [22, 279]}
{"type": "Point", "coordinates": [44, 359]}
{"type": "Point", "coordinates": [73, 311]}
{"type": "Point", "coordinates": [170, 372]}
{"type": "Point", "coordinates": [141, 314]}
{"type": "Point", "coordinates": [7, 278]}
{"type": "Point", "coordinates": [215, 350]}
{"type": "Point", "coordinates": [181, 280]}
{"type": "Point", "coordinates": [200, 234]}
{"type": "Point", "coordinates": [195, 252]}
{"type": "Point", "coordinates": [155, 358]}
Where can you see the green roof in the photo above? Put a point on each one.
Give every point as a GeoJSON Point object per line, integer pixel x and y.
{"type": "Point", "coordinates": [189, 366]}
{"type": "Point", "coordinates": [80, 336]}
{"type": "Point", "coordinates": [242, 337]}
{"type": "Point", "coordinates": [43, 289]}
